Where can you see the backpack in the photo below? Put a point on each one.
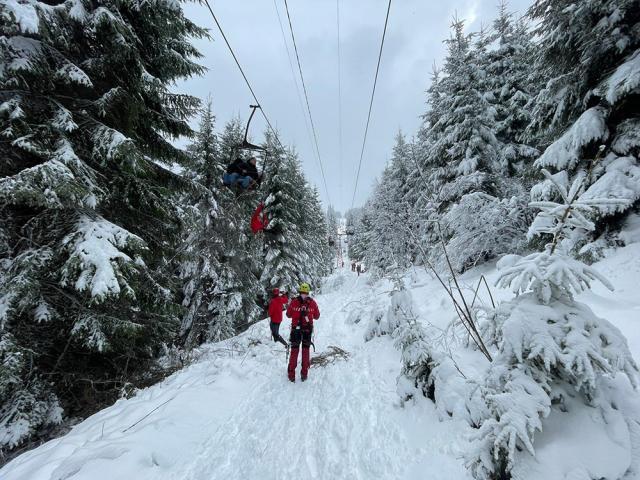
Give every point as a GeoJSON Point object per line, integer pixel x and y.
{"type": "Point", "coordinates": [303, 321]}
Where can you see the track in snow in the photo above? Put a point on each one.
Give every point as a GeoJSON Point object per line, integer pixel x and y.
{"type": "Point", "coordinates": [236, 416]}
{"type": "Point", "coordinates": [336, 425]}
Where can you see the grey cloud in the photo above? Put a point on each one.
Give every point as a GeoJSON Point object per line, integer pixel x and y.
{"type": "Point", "coordinates": [416, 31]}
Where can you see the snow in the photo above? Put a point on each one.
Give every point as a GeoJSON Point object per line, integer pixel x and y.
{"type": "Point", "coordinates": [624, 80]}
{"type": "Point", "coordinates": [232, 414]}
{"type": "Point", "coordinates": [565, 153]}
{"type": "Point", "coordinates": [77, 10]}
{"type": "Point", "coordinates": [108, 142]}
{"type": "Point", "coordinates": [96, 256]}
{"type": "Point", "coordinates": [25, 13]}
{"type": "Point", "coordinates": [71, 74]}
{"type": "Point", "coordinates": [63, 120]}
{"type": "Point", "coordinates": [627, 136]}
{"type": "Point", "coordinates": [621, 180]}
{"type": "Point", "coordinates": [23, 54]}
{"type": "Point", "coordinates": [630, 232]}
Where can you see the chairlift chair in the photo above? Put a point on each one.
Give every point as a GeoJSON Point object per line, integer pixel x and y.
{"type": "Point", "coordinates": [246, 145]}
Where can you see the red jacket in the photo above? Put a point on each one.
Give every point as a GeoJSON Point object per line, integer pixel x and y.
{"type": "Point", "coordinates": [296, 310]}
{"type": "Point", "coordinates": [275, 308]}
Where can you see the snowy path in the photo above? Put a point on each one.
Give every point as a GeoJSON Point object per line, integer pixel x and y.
{"type": "Point", "coordinates": [234, 415]}
{"type": "Point", "coordinates": [336, 425]}
{"type": "Point", "coordinates": [238, 417]}
{"type": "Point", "coordinates": [344, 423]}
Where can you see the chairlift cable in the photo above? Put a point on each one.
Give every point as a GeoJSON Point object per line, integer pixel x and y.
{"type": "Point", "coordinates": [306, 96]}
{"type": "Point", "coordinates": [373, 93]}
{"type": "Point", "coordinates": [339, 101]}
{"type": "Point", "coordinates": [244, 76]}
{"type": "Point", "coordinates": [295, 81]}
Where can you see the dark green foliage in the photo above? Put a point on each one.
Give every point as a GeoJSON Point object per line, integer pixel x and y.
{"type": "Point", "coordinates": [228, 271]}
{"type": "Point", "coordinates": [89, 218]}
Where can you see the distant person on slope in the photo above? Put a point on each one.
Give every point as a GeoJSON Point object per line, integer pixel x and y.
{"type": "Point", "coordinates": [302, 311]}
{"type": "Point", "coordinates": [353, 266]}
{"type": "Point", "coordinates": [359, 269]}
{"type": "Point", "coordinates": [276, 306]}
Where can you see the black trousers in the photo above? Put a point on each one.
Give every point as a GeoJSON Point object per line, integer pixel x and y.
{"type": "Point", "coordinates": [300, 336]}
{"type": "Point", "coordinates": [275, 333]}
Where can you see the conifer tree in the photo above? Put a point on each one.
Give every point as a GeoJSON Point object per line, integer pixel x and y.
{"type": "Point", "coordinates": [285, 197]}
{"type": "Point", "coordinates": [207, 277]}
{"type": "Point", "coordinates": [510, 87]}
{"type": "Point", "coordinates": [241, 251]}
{"type": "Point", "coordinates": [315, 230]}
{"type": "Point", "coordinates": [390, 248]}
{"type": "Point", "coordinates": [362, 222]}
{"type": "Point", "coordinates": [89, 217]}
{"type": "Point", "coordinates": [588, 108]}
{"type": "Point", "coordinates": [463, 152]}
{"type": "Point", "coordinates": [548, 344]}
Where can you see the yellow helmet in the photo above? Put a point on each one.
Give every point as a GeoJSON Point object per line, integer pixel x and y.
{"type": "Point", "coordinates": [304, 288]}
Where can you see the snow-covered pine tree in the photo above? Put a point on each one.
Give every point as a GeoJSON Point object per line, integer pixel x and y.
{"type": "Point", "coordinates": [314, 231]}
{"type": "Point", "coordinates": [461, 155]}
{"type": "Point", "coordinates": [205, 163]}
{"type": "Point", "coordinates": [464, 154]}
{"type": "Point", "coordinates": [415, 346]}
{"type": "Point", "coordinates": [510, 87]}
{"type": "Point", "coordinates": [391, 245]}
{"type": "Point", "coordinates": [481, 227]}
{"type": "Point", "coordinates": [286, 196]}
{"type": "Point", "coordinates": [332, 226]}
{"type": "Point", "coordinates": [550, 348]}
{"type": "Point", "coordinates": [206, 275]}
{"type": "Point", "coordinates": [239, 302]}
{"type": "Point", "coordinates": [88, 215]}
{"type": "Point", "coordinates": [591, 52]}
{"type": "Point", "coordinates": [361, 222]}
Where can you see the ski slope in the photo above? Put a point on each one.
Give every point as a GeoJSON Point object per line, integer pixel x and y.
{"type": "Point", "coordinates": [233, 414]}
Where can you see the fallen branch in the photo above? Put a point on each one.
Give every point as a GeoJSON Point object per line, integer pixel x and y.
{"type": "Point", "coordinates": [325, 358]}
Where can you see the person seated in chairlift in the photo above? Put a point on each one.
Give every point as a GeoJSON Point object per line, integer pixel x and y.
{"type": "Point", "coordinates": [238, 173]}
{"type": "Point", "coordinates": [252, 172]}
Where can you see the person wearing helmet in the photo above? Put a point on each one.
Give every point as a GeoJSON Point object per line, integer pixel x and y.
{"type": "Point", "coordinates": [276, 306]}
{"type": "Point", "coordinates": [302, 311]}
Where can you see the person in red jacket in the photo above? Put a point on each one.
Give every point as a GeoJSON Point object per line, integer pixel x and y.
{"type": "Point", "coordinates": [302, 311]}
{"type": "Point", "coordinates": [276, 306]}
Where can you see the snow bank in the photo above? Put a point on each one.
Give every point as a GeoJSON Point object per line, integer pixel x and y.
{"type": "Point", "coordinates": [233, 414]}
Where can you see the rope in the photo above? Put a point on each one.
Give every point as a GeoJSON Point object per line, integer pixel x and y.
{"type": "Point", "coordinates": [306, 96]}
{"type": "Point", "coordinates": [373, 93]}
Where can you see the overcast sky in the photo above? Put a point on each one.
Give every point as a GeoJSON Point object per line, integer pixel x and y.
{"type": "Point", "coordinates": [414, 42]}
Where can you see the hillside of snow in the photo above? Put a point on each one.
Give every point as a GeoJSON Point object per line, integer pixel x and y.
{"type": "Point", "coordinates": [233, 414]}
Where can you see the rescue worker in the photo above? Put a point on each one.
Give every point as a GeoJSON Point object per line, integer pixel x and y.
{"type": "Point", "coordinates": [302, 311]}
{"type": "Point", "coordinates": [277, 304]}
